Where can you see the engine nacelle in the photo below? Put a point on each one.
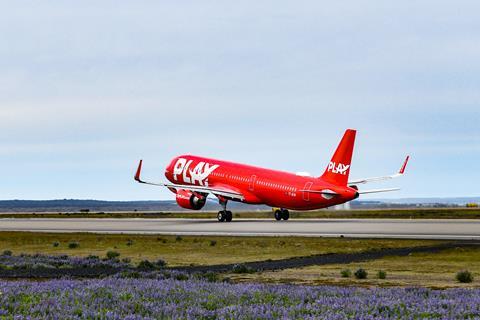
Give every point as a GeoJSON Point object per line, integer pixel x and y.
{"type": "Point", "coordinates": [188, 200]}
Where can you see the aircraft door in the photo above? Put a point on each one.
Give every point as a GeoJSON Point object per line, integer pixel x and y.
{"type": "Point", "coordinates": [251, 184]}
{"type": "Point", "coordinates": [306, 195]}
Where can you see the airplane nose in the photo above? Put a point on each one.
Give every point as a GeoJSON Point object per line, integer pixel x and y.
{"type": "Point", "coordinates": [167, 173]}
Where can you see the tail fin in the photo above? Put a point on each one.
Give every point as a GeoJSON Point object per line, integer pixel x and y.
{"type": "Point", "coordinates": [339, 167]}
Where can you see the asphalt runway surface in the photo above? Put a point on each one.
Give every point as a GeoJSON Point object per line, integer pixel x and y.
{"type": "Point", "coordinates": [354, 228]}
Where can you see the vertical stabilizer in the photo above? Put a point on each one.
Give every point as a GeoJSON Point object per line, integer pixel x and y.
{"type": "Point", "coordinates": [339, 167]}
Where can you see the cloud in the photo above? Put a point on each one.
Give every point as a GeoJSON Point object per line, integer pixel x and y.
{"type": "Point", "coordinates": [97, 85]}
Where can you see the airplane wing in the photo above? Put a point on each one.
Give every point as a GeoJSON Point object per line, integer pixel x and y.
{"type": "Point", "coordinates": [220, 191]}
{"type": "Point", "coordinates": [375, 179]}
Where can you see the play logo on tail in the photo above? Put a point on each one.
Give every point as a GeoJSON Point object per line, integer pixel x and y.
{"type": "Point", "coordinates": [339, 167]}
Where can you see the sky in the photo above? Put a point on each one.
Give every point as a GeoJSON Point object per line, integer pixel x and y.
{"type": "Point", "coordinates": [87, 88]}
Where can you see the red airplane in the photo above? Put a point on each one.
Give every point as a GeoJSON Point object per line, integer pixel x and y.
{"type": "Point", "coordinates": [194, 178]}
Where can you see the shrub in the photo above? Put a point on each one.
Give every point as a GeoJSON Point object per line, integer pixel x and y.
{"type": "Point", "coordinates": [160, 263]}
{"type": "Point", "coordinates": [145, 264]}
{"type": "Point", "coordinates": [181, 277]}
{"type": "Point", "coordinates": [93, 257]}
{"type": "Point", "coordinates": [227, 280]}
{"type": "Point", "coordinates": [73, 245]}
{"type": "Point", "coordinates": [129, 242]}
{"type": "Point", "coordinates": [130, 274]}
{"type": "Point", "coordinates": [112, 254]}
{"type": "Point", "coordinates": [213, 243]}
{"type": "Point", "coordinates": [242, 268]}
{"type": "Point", "coordinates": [361, 274]}
{"type": "Point", "coordinates": [178, 238]}
{"type": "Point", "coordinates": [208, 276]}
{"type": "Point", "coordinates": [381, 274]}
{"type": "Point", "coordinates": [56, 244]}
{"type": "Point", "coordinates": [346, 273]}
{"type": "Point", "coordinates": [464, 276]}
{"type": "Point", "coordinates": [126, 260]}
{"type": "Point", "coordinates": [7, 253]}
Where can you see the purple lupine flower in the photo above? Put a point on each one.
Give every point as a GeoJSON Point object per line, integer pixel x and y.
{"type": "Point", "coordinates": [118, 298]}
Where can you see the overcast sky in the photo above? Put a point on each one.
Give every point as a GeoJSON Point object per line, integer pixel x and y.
{"type": "Point", "coordinates": [89, 87]}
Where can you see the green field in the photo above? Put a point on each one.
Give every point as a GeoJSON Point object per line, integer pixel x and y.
{"type": "Point", "coordinates": [192, 250]}
{"type": "Point", "coordinates": [417, 269]}
{"type": "Point", "coordinates": [436, 270]}
{"type": "Point", "coordinates": [430, 213]}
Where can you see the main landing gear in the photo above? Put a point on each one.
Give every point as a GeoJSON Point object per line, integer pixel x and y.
{"type": "Point", "coordinates": [282, 214]}
{"type": "Point", "coordinates": [224, 215]}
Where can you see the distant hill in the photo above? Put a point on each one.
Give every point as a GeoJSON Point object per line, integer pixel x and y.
{"type": "Point", "coordinates": [75, 205]}
{"type": "Point", "coordinates": [447, 201]}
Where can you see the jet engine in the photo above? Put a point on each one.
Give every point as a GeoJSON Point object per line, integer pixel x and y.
{"type": "Point", "coordinates": [188, 200]}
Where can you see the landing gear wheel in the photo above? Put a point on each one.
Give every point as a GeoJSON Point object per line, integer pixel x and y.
{"type": "Point", "coordinates": [221, 216]}
{"type": "Point", "coordinates": [285, 215]}
{"type": "Point", "coordinates": [228, 216]}
{"type": "Point", "coordinates": [278, 215]}
{"type": "Point", "coordinates": [224, 215]}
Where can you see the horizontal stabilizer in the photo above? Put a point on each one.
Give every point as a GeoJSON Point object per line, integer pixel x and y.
{"type": "Point", "coordinates": [378, 190]}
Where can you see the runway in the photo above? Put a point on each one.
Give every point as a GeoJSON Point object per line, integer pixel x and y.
{"type": "Point", "coordinates": [355, 228]}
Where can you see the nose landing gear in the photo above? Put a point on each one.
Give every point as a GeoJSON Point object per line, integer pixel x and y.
{"type": "Point", "coordinates": [282, 214]}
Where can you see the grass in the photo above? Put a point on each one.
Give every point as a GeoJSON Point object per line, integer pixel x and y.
{"type": "Point", "coordinates": [196, 250]}
{"type": "Point", "coordinates": [427, 213]}
{"type": "Point", "coordinates": [436, 270]}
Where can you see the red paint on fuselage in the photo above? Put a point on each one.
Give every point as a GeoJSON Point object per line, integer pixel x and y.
{"type": "Point", "coordinates": [258, 185]}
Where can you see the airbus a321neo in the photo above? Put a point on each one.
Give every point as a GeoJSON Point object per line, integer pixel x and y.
{"type": "Point", "coordinates": [193, 178]}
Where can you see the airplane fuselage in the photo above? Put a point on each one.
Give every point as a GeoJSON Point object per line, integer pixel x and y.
{"type": "Point", "coordinates": [258, 185]}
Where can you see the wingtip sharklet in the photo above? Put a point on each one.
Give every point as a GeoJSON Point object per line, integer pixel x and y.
{"type": "Point", "coordinates": [139, 170]}
{"type": "Point", "coordinates": [404, 165]}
